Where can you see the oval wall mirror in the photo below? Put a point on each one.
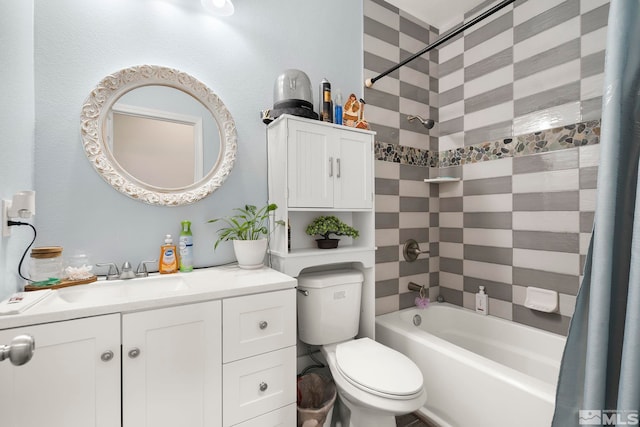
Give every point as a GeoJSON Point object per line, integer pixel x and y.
{"type": "Point", "coordinates": [158, 135]}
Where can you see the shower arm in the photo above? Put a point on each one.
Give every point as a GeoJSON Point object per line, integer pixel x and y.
{"type": "Point", "coordinates": [441, 40]}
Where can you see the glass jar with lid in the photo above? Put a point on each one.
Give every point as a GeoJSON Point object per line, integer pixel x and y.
{"type": "Point", "coordinates": [46, 263]}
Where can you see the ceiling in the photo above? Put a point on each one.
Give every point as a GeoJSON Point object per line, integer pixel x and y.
{"type": "Point", "coordinates": [442, 14]}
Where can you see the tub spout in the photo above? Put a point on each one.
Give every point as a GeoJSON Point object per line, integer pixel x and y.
{"type": "Point", "coordinates": [415, 287]}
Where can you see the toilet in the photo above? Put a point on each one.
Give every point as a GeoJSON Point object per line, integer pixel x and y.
{"type": "Point", "coordinates": [374, 382]}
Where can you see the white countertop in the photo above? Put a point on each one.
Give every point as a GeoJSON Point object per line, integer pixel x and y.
{"type": "Point", "coordinates": [201, 285]}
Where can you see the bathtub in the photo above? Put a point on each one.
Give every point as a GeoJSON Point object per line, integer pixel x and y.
{"type": "Point", "coordinates": [479, 371]}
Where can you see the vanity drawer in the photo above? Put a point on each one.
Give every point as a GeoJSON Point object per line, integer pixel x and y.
{"type": "Point", "coordinates": [256, 324]}
{"type": "Point", "coordinates": [283, 417]}
{"type": "Point", "coordinates": [257, 385]}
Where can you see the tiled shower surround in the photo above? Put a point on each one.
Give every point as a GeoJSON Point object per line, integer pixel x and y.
{"type": "Point", "coordinates": [516, 102]}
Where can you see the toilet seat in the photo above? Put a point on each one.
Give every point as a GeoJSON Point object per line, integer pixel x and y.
{"type": "Point", "coordinates": [377, 369]}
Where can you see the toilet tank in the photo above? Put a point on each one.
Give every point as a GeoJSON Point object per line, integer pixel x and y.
{"type": "Point", "coordinates": [329, 306]}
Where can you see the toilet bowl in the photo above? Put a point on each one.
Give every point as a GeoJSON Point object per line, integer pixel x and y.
{"type": "Point", "coordinates": [375, 383]}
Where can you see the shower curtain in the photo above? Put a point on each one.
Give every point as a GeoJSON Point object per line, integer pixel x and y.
{"type": "Point", "coordinates": [599, 381]}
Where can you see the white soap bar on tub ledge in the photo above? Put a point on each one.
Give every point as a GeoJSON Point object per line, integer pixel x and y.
{"type": "Point", "coordinates": [541, 299]}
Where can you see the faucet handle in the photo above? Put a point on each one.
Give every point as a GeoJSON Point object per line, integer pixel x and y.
{"type": "Point", "coordinates": [142, 271]}
{"type": "Point", "coordinates": [112, 266]}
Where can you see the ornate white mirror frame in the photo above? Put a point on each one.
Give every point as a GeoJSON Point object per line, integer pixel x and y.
{"type": "Point", "coordinates": [95, 111]}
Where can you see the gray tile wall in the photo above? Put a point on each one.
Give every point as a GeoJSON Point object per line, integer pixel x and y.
{"type": "Point", "coordinates": [510, 223]}
{"type": "Point", "coordinates": [518, 222]}
{"type": "Point", "coordinates": [534, 65]}
{"type": "Point", "coordinates": [403, 200]}
{"type": "Point", "coordinates": [390, 36]}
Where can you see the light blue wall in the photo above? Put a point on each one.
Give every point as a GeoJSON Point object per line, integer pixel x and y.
{"type": "Point", "coordinates": [16, 126]}
{"type": "Point", "coordinates": [78, 42]}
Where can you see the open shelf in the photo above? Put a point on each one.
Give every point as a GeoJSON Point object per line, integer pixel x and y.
{"type": "Point", "coordinates": [297, 260]}
{"type": "Point", "coordinates": [442, 179]}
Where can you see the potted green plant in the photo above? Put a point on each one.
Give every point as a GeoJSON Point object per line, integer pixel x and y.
{"type": "Point", "coordinates": [248, 228]}
{"type": "Point", "coordinates": [325, 226]}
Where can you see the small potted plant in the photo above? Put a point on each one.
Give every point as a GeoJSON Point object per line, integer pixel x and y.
{"type": "Point", "coordinates": [248, 229]}
{"type": "Point", "coordinates": [325, 226]}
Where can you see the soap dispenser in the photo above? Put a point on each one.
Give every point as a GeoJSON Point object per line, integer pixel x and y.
{"type": "Point", "coordinates": [168, 257]}
{"type": "Point", "coordinates": [186, 247]}
{"type": "Point", "coordinates": [482, 302]}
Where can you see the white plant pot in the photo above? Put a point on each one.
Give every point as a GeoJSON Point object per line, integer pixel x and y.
{"type": "Point", "coordinates": [250, 253]}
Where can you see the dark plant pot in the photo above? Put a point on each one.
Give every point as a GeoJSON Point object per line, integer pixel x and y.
{"type": "Point", "coordinates": [327, 243]}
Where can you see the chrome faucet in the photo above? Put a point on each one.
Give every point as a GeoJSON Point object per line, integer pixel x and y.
{"type": "Point", "coordinates": [126, 272]}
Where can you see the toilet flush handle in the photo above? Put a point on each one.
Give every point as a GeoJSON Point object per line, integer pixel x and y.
{"type": "Point", "coordinates": [303, 292]}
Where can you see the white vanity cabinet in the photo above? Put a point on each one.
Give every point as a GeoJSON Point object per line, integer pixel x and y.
{"type": "Point", "coordinates": [259, 355]}
{"type": "Point", "coordinates": [327, 166]}
{"type": "Point", "coordinates": [171, 366]}
{"type": "Point", "coordinates": [73, 379]}
{"type": "Point", "coordinates": [219, 351]}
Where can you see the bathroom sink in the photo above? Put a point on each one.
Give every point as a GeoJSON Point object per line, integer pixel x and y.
{"type": "Point", "coordinates": [124, 290]}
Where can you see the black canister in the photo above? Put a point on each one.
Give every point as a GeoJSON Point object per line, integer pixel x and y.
{"type": "Point", "coordinates": [326, 108]}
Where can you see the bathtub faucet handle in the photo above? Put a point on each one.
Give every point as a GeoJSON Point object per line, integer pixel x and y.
{"type": "Point", "coordinates": [412, 250]}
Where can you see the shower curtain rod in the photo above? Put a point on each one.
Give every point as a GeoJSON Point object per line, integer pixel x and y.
{"type": "Point", "coordinates": [446, 37]}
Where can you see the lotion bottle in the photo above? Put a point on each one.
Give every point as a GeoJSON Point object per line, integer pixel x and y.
{"type": "Point", "coordinates": [186, 247]}
{"type": "Point", "coordinates": [482, 302]}
{"type": "Point", "coordinates": [168, 257]}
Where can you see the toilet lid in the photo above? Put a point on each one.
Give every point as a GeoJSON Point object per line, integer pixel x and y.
{"type": "Point", "coordinates": [370, 365]}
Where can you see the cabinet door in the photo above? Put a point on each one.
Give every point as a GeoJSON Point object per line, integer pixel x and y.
{"type": "Point", "coordinates": [310, 165]}
{"type": "Point", "coordinates": [172, 367]}
{"type": "Point", "coordinates": [67, 383]}
{"type": "Point", "coordinates": [353, 188]}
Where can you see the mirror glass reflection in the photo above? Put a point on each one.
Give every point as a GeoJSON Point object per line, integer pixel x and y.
{"type": "Point", "coordinates": [163, 136]}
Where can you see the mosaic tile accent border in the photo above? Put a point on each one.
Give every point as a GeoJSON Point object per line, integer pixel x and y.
{"type": "Point", "coordinates": [400, 154]}
{"type": "Point", "coordinates": [560, 138]}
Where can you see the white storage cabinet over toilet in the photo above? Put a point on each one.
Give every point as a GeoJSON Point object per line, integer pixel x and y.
{"type": "Point", "coordinates": [315, 169]}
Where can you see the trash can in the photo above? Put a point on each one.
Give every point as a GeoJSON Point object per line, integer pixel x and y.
{"type": "Point", "coordinates": [316, 396]}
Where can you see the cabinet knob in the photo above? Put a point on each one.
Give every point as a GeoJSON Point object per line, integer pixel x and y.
{"type": "Point", "coordinates": [134, 352]}
{"type": "Point", "coordinates": [106, 356]}
{"type": "Point", "coordinates": [263, 324]}
{"type": "Point", "coordinates": [263, 386]}
{"type": "Point", "coordinates": [20, 351]}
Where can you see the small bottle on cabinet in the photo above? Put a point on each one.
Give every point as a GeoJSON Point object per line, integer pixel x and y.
{"type": "Point", "coordinates": [168, 257]}
{"type": "Point", "coordinates": [337, 115]}
{"type": "Point", "coordinates": [326, 113]}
